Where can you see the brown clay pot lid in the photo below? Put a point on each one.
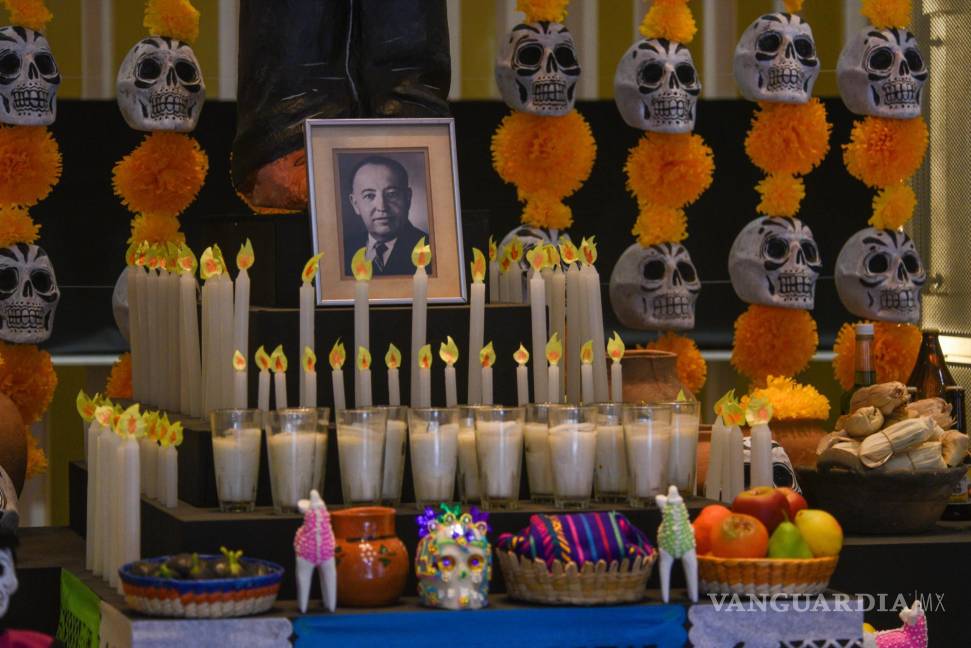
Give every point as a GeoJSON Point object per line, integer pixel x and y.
{"type": "Point", "coordinates": [363, 522]}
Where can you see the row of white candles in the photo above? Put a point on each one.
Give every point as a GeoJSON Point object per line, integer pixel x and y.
{"type": "Point", "coordinates": [726, 459]}
{"type": "Point", "coordinates": [128, 454]}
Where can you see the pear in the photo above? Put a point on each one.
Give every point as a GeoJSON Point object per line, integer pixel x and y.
{"type": "Point", "coordinates": [787, 542]}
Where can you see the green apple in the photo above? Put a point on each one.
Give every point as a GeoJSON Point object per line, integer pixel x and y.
{"type": "Point", "coordinates": [821, 531]}
{"type": "Point", "coordinates": [787, 542]}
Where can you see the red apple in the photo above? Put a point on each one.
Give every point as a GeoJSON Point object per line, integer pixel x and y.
{"type": "Point", "coordinates": [765, 503]}
{"type": "Point", "coordinates": [796, 501]}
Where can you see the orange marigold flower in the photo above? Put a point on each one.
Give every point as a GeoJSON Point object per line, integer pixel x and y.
{"type": "Point", "coordinates": [32, 14]}
{"type": "Point", "coordinates": [893, 207]}
{"type": "Point", "coordinates": [16, 226]}
{"type": "Point", "coordinates": [789, 139]}
{"type": "Point", "coordinates": [658, 224]}
{"type": "Point", "coordinates": [548, 213]}
{"type": "Point", "coordinates": [771, 341]}
{"type": "Point", "coordinates": [156, 228]}
{"type": "Point", "coordinates": [883, 14]}
{"type": "Point", "coordinates": [36, 459]}
{"type": "Point", "coordinates": [781, 195]}
{"type": "Point", "coordinates": [30, 164]}
{"type": "Point", "coordinates": [895, 348]}
{"type": "Point", "coordinates": [692, 368]}
{"type": "Point", "coordinates": [27, 378]}
{"type": "Point", "coordinates": [791, 400]}
{"type": "Point", "coordinates": [172, 18]}
{"type": "Point", "coordinates": [669, 169]}
{"type": "Point", "coordinates": [543, 10]}
{"type": "Point", "coordinates": [163, 175]}
{"type": "Point", "coordinates": [884, 152]}
{"type": "Point", "coordinates": [670, 19]}
{"type": "Point", "coordinates": [119, 381]}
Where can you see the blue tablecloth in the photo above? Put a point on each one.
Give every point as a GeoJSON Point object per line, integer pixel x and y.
{"type": "Point", "coordinates": [539, 627]}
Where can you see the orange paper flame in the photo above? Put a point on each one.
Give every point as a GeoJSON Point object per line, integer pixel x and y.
{"type": "Point", "coordinates": [425, 357]}
{"type": "Point", "coordinates": [554, 349]}
{"type": "Point", "coordinates": [493, 249]}
{"type": "Point", "coordinates": [262, 359]}
{"type": "Point", "coordinates": [130, 424]}
{"type": "Point", "coordinates": [487, 356]}
{"type": "Point", "coordinates": [521, 356]}
{"type": "Point", "coordinates": [568, 251]}
{"type": "Point", "coordinates": [278, 360]}
{"type": "Point", "coordinates": [478, 266]}
{"type": "Point", "coordinates": [86, 406]}
{"type": "Point", "coordinates": [209, 265]}
{"type": "Point", "coordinates": [759, 411]}
{"type": "Point", "coordinates": [239, 361]}
{"type": "Point", "coordinates": [337, 356]}
{"type": "Point", "coordinates": [186, 261]}
{"type": "Point", "coordinates": [361, 266]}
{"type": "Point", "coordinates": [586, 352]}
{"type": "Point", "coordinates": [515, 249]}
{"type": "Point", "coordinates": [309, 360]}
{"type": "Point", "coordinates": [536, 259]}
{"type": "Point", "coordinates": [310, 268]}
{"type": "Point", "coordinates": [552, 256]}
{"type": "Point", "coordinates": [449, 351]}
{"type": "Point", "coordinates": [506, 262]}
{"type": "Point", "coordinates": [245, 257]}
{"type": "Point", "coordinates": [152, 421]}
{"type": "Point", "coordinates": [393, 357]}
{"type": "Point", "coordinates": [421, 255]}
{"type": "Point", "coordinates": [104, 415]}
{"type": "Point", "coordinates": [588, 251]}
{"type": "Point", "coordinates": [363, 359]}
{"type": "Point", "coordinates": [615, 348]}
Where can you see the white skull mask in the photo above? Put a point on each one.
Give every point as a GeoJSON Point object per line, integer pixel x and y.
{"type": "Point", "coordinates": [537, 69]}
{"type": "Point", "coordinates": [655, 288]}
{"type": "Point", "coordinates": [879, 276]}
{"type": "Point", "coordinates": [453, 562]}
{"type": "Point", "coordinates": [28, 78]}
{"type": "Point", "coordinates": [8, 580]}
{"type": "Point", "coordinates": [776, 60]}
{"type": "Point", "coordinates": [775, 262]}
{"type": "Point", "coordinates": [530, 237]}
{"type": "Point", "coordinates": [160, 86]}
{"type": "Point", "coordinates": [28, 294]}
{"type": "Point", "coordinates": [656, 87]}
{"type": "Point", "coordinates": [882, 73]}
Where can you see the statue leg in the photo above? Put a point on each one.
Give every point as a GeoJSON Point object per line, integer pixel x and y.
{"type": "Point", "coordinates": [664, 569]}
{"type": "Point", "coordinates": [328, 584]}
{"type": "Point", "coordinates": [305, 570]}
{"type": "Point", "coordinates": [689, 562]}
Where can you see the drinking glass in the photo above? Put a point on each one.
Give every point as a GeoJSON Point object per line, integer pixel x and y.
{"type": "Point", "coordinates": [236, 435]}
{"type": "Point", "coordinates": [433, 438]}
{"type": "Point", "coordinates": [395, 436]}
{"type": "Point", "coordinates": [360, 450]}
{"type": "Point", "coordinates": [682, 460]}
{"type": "Point", "coordinates": [610, 484]}
{"type": "Point", "coordinates": [535, 434]}
{"type": "Point", "coordinates": [499, 450]}
{"type": "Point", "coordinates": [320, 450]}
{"type": "Point", "coordinates": [293, 441]}
{"type": "Point", "coordinates": [468, 477]}
{"type": "Point", "coordinates": [647, 436]}
{"type": "Point", "coordinates": [573, 447]}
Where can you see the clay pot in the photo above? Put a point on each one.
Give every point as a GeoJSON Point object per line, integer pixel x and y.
{"type": "Point", "coordinates": [372, 563]}
{"type": "Point", "coordinates": [652, 377]}
{"type": "Point", "coordinates": [13, 442]}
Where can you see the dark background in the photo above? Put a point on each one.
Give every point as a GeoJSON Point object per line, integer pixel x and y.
{"type": "Point", "coordinates": [85, 227]}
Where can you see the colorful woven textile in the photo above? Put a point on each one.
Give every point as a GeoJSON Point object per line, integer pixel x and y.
{"type": "Point", "coordinates": [578, 538]}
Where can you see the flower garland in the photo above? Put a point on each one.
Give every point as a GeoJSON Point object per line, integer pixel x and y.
{"type": "Point", "coordinates": [692, 368]}
{"type": "Point", "coordinates": [895, 348]}
{"type": "Point", "coordinates": [773, 341]}
{"type": "Point", "coordinates": [790, 400]}
{"type": "Point", "coordinates": [119, 382]}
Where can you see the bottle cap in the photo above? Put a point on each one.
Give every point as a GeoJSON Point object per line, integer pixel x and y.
{"type": "Point", "coordinates": [864, 329]}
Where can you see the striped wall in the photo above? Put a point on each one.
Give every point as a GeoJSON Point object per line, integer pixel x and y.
{"type": "Point", "coordinates": [90, 39]}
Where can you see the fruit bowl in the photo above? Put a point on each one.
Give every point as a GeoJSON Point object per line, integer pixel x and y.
{"type": "Point", "coordinates": [205, 598]}
{"type": "Point", "coordinates": [765, 576]}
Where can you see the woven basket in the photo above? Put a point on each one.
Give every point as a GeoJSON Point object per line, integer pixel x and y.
{"type": "Point", "coordinates": [764, 576]}
{"type": "Point", "coordinates": [593, 584]}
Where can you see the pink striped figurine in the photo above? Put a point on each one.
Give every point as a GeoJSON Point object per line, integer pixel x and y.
{"type": "Point", "coordinates": [912, 634]}
{"type": "Point", "coordinates": [314, 546]}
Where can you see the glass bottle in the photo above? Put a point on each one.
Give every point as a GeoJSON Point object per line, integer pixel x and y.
{"type": "Point", "coordinates": [864, 374]}
{"type": "Point", "coordinates": [930, 375]}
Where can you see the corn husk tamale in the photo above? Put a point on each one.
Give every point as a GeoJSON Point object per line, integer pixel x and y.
{"type": "Point", "coordinates": [936, 408]}
{"type": "Point", "coordinates": [841, 453]}
{"type": "Point", "coordinates": [861, 423]}
{"type": "Point", "coordinates": [924, 458]}
{"type": "Point", "coordinates": [886, 397]}
{"type": "Point", "coordinates": [954, 447]}
{"type": "Point", "coordinates": [876, 449]}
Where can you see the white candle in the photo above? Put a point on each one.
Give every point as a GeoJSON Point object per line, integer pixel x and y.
{"type": "Point", "coordinates": [586, 379]}
{"type": "Point", "coordinates": [449, 353]}
{"type": "Point", "coordinates": [361, 326]}
{"type": "Point", "coordinates": [538, 471]}
{"type": "Point", "coordinates": [148, 463]}
{"type": "Point", "coordinates": [575, 321]}
{"type": "Point", "coordinates": [308, 378]}
{"type": "Point", "coordinates": [499, 447]}
{"type": "Point", "coordinates": [684, 451]}
{"type": "Point", "coordinates": [292, 456]}
{"type": "Point", "coordinates": [109, 509]}
{"type": "Point", "coordinates": [129, 502]}
{"type": "Point", "coordinates": [451, 395]}
{"type": "Point", "coordinates": [244, 261]}
{"type": "Point", "coordinates": [616, 383]}
{"type": "Point", "coordinates": [736, 454]}
{"type": "Point", "coordinates": [418, 331]}
{"type": "Point", "coordinates": [522, 385]}
{"type": "Point", "coordinates": [434, 456]}
{"type": "Point", "coordinates": [487, 385]}
{"type": "Point", "coordinates": [360, 450]}
{"type": "Point", "coordinates": [278, 362]}
{"type": "Point", "coordinates": [92, 542]}
{"type": "Point", "coordinates": [307, 301]}
{"type": "Point", "coordinates": [337, 378]}
{"type": "Point", "coordinates": [173, 382]}
{"type": "Point", "coordinates": [476, 325]}
{"type": "Point", "coordinates": [468, 462]}
{"type": "Point", "coordinates": [168, 469]}
{"type": "Point", "coordinates": [264, 390]}
{"type": "Point", "coordinates": [189, 334]}
{"type": "Point", "coordinates": [595, 314]}
{"type": "Point", "coordinates": [394, 461]}
{"type": "Point", "coordinates": [537, 303]}
{"type": "Point", "coordinates": [394, 387]}
{"type": "Point", "coordinates": [236, 460]}
{"type": "Point", "coordinates": [425, 386]}
{"type": "Point", "coordinates": [138, 308]}
{"type": "Point", "coordinates": [647, 455]}
{"type": "Point", "coordinates": [225, 341]}
{"type": "Point", "coordinates": [493, 277]}
{"type": "Point", "coordinates": [363, 366]}
{"type": "Point", "coordinates": [716, 452]}
{"type": "Point", "coordinates": [557, 299]}
{"type": "Point", "coordinates": [134, 340]}
{"type": "Point", "coordinates": [239, 389]}
{"type": "Point", "coordinates": [611, 461]}
{"type": "Point", "coordinates": [573, 450]}
{"type": "Point", "coordinates": [761, 456]}
{"type": "Point", "coordinates": [154, 350]}
{"type": "Point", "coordinates": [554, 380]}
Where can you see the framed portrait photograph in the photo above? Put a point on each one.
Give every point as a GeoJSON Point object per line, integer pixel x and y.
{"type": "Point", "coordinates": [383, 185]}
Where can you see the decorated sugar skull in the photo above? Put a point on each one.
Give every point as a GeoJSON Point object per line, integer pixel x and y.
{"type": "Point", "coordinates": [882, 73]}
{"type": "Point", "coordinates": [160, 86]}
{"type": "Point", "coordinates": [775, 262]}
{"type": "Point", "coordinates": [537, 69]}
{"type": "Point", "coordinates": [776, 60]}
{"type": "Point", "coordinates": [656, 87]}
{"type": "Point", "coordinates": [28, 78]}
{"type": "Point", "coordinates": [454, 558]}
{"type": "Point", "coordinates": [28, 294]}
{"type": "Point", "coordinates": [879, 276]}
{"type": "Point", "coordinates": [530, 237]}
{"type": "Point", "coordinates": [655, 287]}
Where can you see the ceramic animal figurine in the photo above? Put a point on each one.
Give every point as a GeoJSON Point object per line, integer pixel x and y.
{"type": "Point", "coordinates": [912, 634]}
{"type": "Point", "coordinates": [676, 540]}
{"type": "Point", "coordinates": [314, 546]}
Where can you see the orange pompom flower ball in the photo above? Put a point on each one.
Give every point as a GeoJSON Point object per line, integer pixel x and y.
{"type": "Point", "coordinates": [671, 20]}
{"type": "Point", "coordinates": [669, 169]}
{"type": "Point", "coordinates": [30, 164]}
{"type": "Point", "coordinates": [119, 381]}
{"type": "Point", "coordinates": [883, 14]}
{"type": "Point", "coordinates": [163, 175]}
{"type": "Point", "coordinates": [156, 228]}
{"type": "Point", "coordinates": [781, 195]}
{"type": "Point", "coordinates": [27, 378]}
{"type": "Point", "coordinates": [893, 207]}
{"type": "Point", "coordinates": [659, 224]}
{"type": "Point", "coordinates": [692, 368]}
{"type": "Point", "coordinates": [16, 226]}
{"type": "Point", "coordinates": [771, 341]}
{"type": "Point", "coordinates": [172, 18]}
{"type": "Point", "coordinates": [884, 152]}
{"type": "Point", "coordinates": [790, 139]}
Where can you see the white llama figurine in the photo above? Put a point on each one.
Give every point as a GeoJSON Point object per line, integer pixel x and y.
{"type": "Point", "coordinates": [676, 540]}
{"type": "Point", "coordinates": [912, 634]}
{"type": "Point", "coordinates": [314, 546]}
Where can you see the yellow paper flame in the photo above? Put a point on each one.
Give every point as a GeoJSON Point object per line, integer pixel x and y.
{"type": "Point", "coordinates": [478, 266]}
{"type": "Point", "coordinates": [759, 410]}
{"type": "Point", "coordinates": [493, 249]}
{"type": "Point", "coordinates": [86, 406]}
{"type": "Point", "coordinates": [245, 257]}
{"type": "Point", "coordinates": [130, 254]}
{"type": "Point", "coordinates": [393, 357]}
{"type": "Point", "coordinates": [536, 259]}
{"type": "Point", "coordinates": [425, 357]}
{"type": "Point", "coordinates": [337, 355]}
{"type": "Point", "coordinates": [141, 254]}
{"type": "Point", "coordinates": [152, 420]}
{"type": "Point", "coordinates": [309, 360]}
{"type": "Point", "coordinates": [363, 359]}
{"type": "Point", "coordinates": [588, 251]}
{"type": "Point", "coordinates": [552, 255]}
{"type": "Point", "coordinates": [487, 356]}
{"type": "Point", "coordinates": [733, 414]}
{"type": "Point", "coordinates": [615, 348]}
{"type": "Point", "coordinates": [521, 356]}
{"type": "Point", "coordinates": [448, 351]}
{"type": "Point", "coordinates": [309, 272]}
{"type": "Point", "coordinates": [278, 359]}
{"type": "Point", "coordinates": [151, 257]}
{"type": "Point", "coordinates": [421, 255]}
{"type": "Point", "coordinates": [568, 251]}
{"type": "Point", "coordinates": [723, 401]}
{"type": "Point", "coordinates": [186, 261]}
{"type": "Point", "coordinates": [171, 260]}
{"type": "Point", "coordinates": [262, 359]}
{"type": "Point", "coordinates": [505, 263]}
{"type": "Point", "coordinates": [239, 361]}
{"type": "Point", "coordinates": [361, 265]}
{"type": "Point", "coordinates": [515, 249]}
{"type": "Point", "coordinates": [209, 265]}
{"type": "Point", "coordinates": [104, 415]}
{"type": "Point", "coordinates": [586, 352]}
{"type": "Point", "coordinates": [130, 424]}
{"type": "Point", "coordinates": [175, 433]}
{"type": "Point", "coordinates": [554, 349]}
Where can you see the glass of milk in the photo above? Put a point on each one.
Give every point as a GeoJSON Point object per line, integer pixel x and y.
{"type": "Point", "coordinates": [433, 438]}
{"type": "Point", "coordinates": [236, 435]}
{"type": "Point", "coordinates": [468, 477]}
{"type": "Point", "coordinates": [647, 433]}
{"type": "Point", "coordinates": [573, 447]}
{"type": "Point", "coordinates": [292, 439]}
{"type": "Point", "coordinates": [610, 484]}
{"type": "Point", "coordinates": [682, 460]}
{"type": "Point", "coordinates": [395, 437]}
{"type": "Point", "coordinates": [535, 434]}
{"type": "Point", "coordinates": [360, 449]}
{"type": "Point", "coordinates": [320, 450]}
{"type": "Point", "coordinates": [499, 450]}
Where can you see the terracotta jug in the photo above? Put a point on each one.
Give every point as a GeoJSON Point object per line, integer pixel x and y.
{"type": "Point", "coordinates": [652, 377]}
{"type": "Point", "coordinates": [372, 562]}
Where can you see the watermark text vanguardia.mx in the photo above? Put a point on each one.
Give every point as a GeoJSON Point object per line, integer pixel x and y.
{"type": "Point", "coordinates": [837, 602]}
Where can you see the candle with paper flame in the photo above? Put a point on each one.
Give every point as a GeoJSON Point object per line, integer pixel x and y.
{"type": "Point", "coordinates": [615, 350]}
{"type": "Point", "coordinates": [537, 310]}
{"type": "Point", "coordinates": [263, 392]}
{"type": "Point", "coordinates": [132, 273]}
{"type": "Point", "coordinates": [757, 415]}
{"type": "Point", "coordinates": [239, 380]}
{"type": "Point", "coordinates": [362, 269]}
{"type": "Point", "coordinates": [102, 481]}
{"type": "Point", "coordinates": [309, 378]}
{"type": "Point", "coordinates": [554, 353]}
{"type": "Point", "coordinates": [593, 306]}
{"type": "Point", "coordinates": [364, 373]}
{"type": "Point", "coordinates": [393, 361]}
{"type": "Point", "coordinates": [245, 259]}
{"type": "Point", "coordinates": [516, 273]}
{"type": "Point", "coordinates": [586, 372]}
{"type": "Point", "coordinates": [556, 298]}
{"type": "Point", "coordinates": [421, 256]}
{"type": "Point", "coordinates": [148, 454]}
{"type": "Point", "coordinates": [189, 361]}
{"type": "Point", "coordinates": [521, 356]}
{"type": "Point", "coordinates": [86, 407]}
{"type": "Point", "coordinates": [477, 321]}
{"type": "Point", "coordinates": [126, 494]}
{"type": "Point", "coordinates": [487, 358]}
{"type": "Point", "coordinates": [156, 357]}
{"type": "Point", "coordinates": [210, 267]}
{"type": "Point", "coordinates": [449, 353]}
{"type": "Point", "coordinates": [170, 437]}
{"type": "Point", "coordinates": [278, 363]}
{"type": "Point", "coordinates": [307, 301]}
{"type": "Point", "coordinates": [726, 461]}
{"type": "Point", "coordinates": [505, 279]}
{"type": "Point", "coordinates": [424, 375]}
{"type": "Point", "coordinates": [336, 358]}
{"type": "Point", "coordinates": [576, 320]}
{"type": "Point", "coordinates": [493, 272]}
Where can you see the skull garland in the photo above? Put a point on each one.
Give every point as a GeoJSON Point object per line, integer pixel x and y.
{"type": "Point", "coordinates": [453, 561]}
{"type": "Point", "coordinates": [537, 69]}
{"type": "Point", "coordinates": [655, 288]}
{"type": "Point", "coordinates": [656, 86]}
{"type": "Point", "coordinates": [160, 86]}
{"type": "Point", "coordinates": [879, 276]}
{"type": "Point", "coordinates": [776, 60]}
{"type": "Point", "coordinates": [28, 294]}
{"type": "Point", "coordinates": [29, 78]}
{"type": "Point", "coordinates": [775, 262]}
{"type": "Point", "coordinates": [881, 73]}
